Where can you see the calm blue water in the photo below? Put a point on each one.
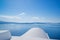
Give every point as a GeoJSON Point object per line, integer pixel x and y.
{"type": "Point", "coordinates": [53, 30]}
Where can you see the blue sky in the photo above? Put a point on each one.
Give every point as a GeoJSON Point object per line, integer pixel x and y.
{"type": "Point", "coordinates": [30, 10]}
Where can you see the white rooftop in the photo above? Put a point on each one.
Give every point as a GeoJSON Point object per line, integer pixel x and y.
{"type": "Point", "coordinates": [5, 35]}
{"type": "Point", "coordinates": [36, 32]}
{"type": "Point", "coordinates": [32, 34]}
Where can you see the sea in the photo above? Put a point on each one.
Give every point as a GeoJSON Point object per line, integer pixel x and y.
{"type": "Point", "coordinates": [53, 29]}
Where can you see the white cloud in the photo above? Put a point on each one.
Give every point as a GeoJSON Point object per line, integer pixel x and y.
{"type": "Point", "coordinates": [19, 18]}
{"type": "Point", "coordinates": [15, 18]}
{"type": "Point", "coordinates": [21, 14]}
{"type": "Point", "coordinates": [36, 18]}
{"type": "Point", "coordinates": [10, 18]}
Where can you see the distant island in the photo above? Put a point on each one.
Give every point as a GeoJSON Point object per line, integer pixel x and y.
{"type": "Point", "coordinates": [3, 22]}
